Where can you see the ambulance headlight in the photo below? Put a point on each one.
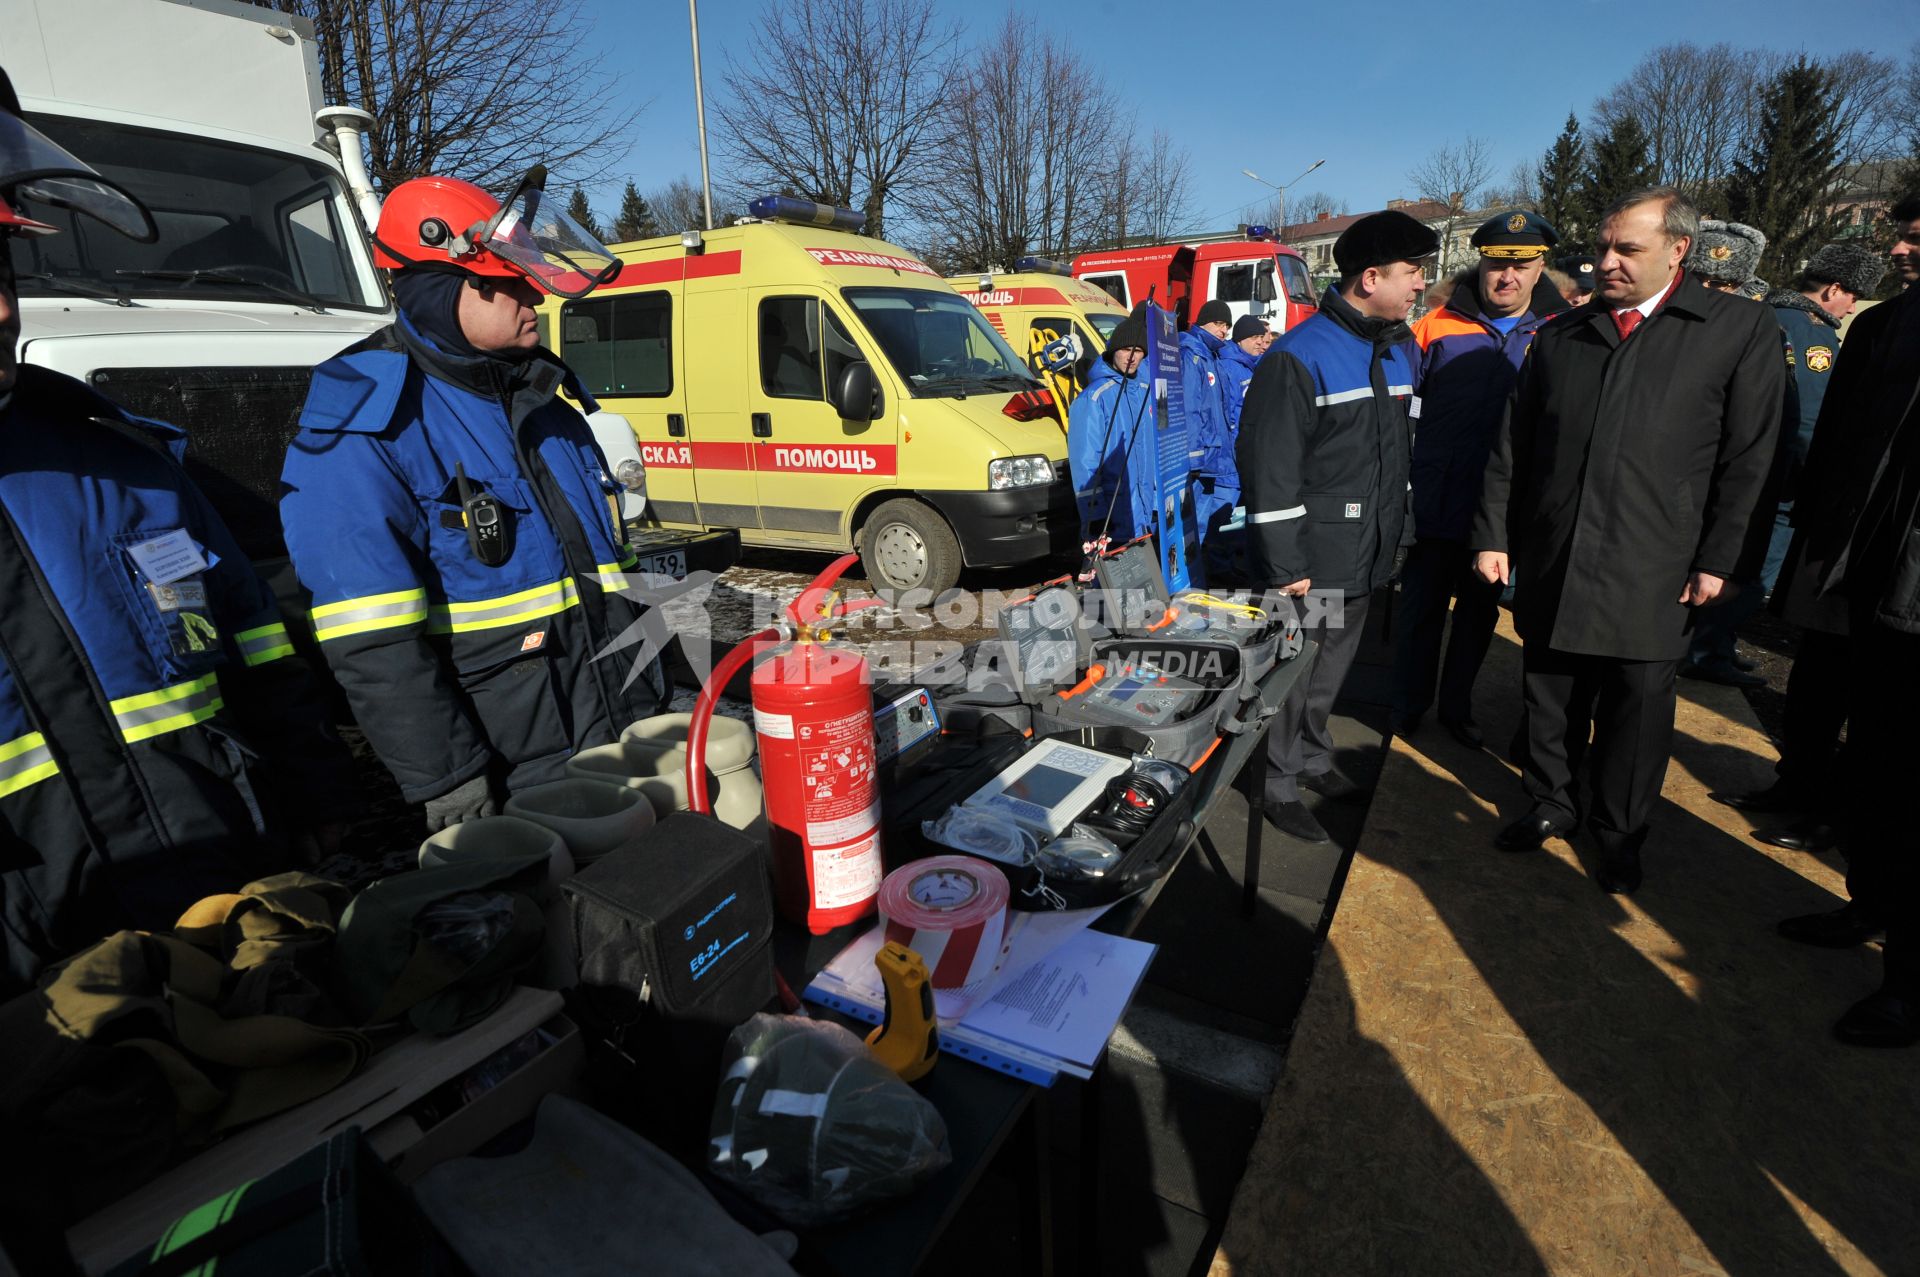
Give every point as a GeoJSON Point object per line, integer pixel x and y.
{"type": "Point", "coordinates": [1018, 472]}
{"type": "Point", "coordinates": [631, 475]}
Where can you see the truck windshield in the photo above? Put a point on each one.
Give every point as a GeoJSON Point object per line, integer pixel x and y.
{"type": "Point", "coordinates": [940, 345]}
{"type": "Point", "coordinates": [237, 223]}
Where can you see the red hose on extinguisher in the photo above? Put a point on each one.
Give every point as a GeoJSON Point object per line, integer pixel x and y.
{"type": "Point", "coordinates": [813, 724]}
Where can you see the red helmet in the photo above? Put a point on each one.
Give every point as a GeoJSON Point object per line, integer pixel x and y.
{"type": "Point", "coordinates": [443, 223]}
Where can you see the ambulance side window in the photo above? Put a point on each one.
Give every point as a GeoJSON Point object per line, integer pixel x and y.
{"type": "Point", "coordinates": [790, 348]}
{"type": "Point", "coordinates": [622, 345]}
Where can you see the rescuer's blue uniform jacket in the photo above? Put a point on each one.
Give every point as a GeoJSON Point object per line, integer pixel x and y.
{"type": "Point", "coordinates": [157, 732]}
{"type": "Point", "coordinates": [1217, 483]}
{"type": "Point", "coordinates": [1324, 451]}
{"type": "Point", "coordinates": [1112, 454]}
{"type": "Point", "coordinates": [455, 668]}
{"type": "Point", "coordinates": [1236, 370]}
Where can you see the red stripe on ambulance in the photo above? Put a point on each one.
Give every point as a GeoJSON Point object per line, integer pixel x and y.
{"type": "Point", "coordinates": [706, 266]}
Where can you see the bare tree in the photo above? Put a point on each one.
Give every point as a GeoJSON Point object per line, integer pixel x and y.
{"type": "Point", "coordinates": [1304, 208]}
{"type": "Point", "coordinates": [1016, 175]}
{"type": "Point", "coordinates": [1696, 107]}
{"type": "Point", "coordinates": [1456, 177]}
{"type": "Point", "coordinates": [677, 206]}
{"type": "Point", "coordinates": [470, 88]}
{"type": "Point", "coordinates": [1164, 200]}
{"type": "Point", "coordinates": [842, 101]}
{"type": "Point", "coordinates": [1870, 113]}
{"type": "Point", "coordinates": [1520, 190]}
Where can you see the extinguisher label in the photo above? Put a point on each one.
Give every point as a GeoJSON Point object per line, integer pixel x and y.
{"type": "Point", "coordinates": [841, 808]}
{"type": "Point", "coordinates": [846, 875]}
{"type": "Point", "coordinates": [773, 726]}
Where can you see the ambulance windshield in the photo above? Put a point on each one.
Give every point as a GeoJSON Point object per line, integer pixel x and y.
{"type": "Point", "coordinates": [940, 345]}
{"type": "Point", "coordinates": [1104, 322]}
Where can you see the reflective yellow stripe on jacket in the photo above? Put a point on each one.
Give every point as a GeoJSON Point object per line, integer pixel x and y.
{"type": "Point", "coordinates": [508, 609]}
{"type": "Point", "coordinates": [613, 576]}
{"type": "Point", "coordinates": [268, 643]}
{"type": "Point", "coordinates": [153, 714]}
{"type": "Point", "coordinates": [25, 760]}
{"type": "Point", "coordinates": [369, 612]}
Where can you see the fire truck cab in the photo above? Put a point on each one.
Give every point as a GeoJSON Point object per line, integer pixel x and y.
{"type": "Point", "coordinates": [1254, 276]}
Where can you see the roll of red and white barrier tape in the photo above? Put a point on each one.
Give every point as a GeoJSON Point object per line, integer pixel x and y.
{"type": "Point", "coordinates": [952, 911]}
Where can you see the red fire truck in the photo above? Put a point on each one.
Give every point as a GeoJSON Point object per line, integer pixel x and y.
{"type": "Point", "coordinates": [1254, 276]}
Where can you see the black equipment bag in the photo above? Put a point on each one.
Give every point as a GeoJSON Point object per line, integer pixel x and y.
{"type": "Point", "coordinates": [682, 920]}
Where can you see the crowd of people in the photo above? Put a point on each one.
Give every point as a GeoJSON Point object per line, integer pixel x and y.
{"type": "Point", "coordinates": [1639, 449]}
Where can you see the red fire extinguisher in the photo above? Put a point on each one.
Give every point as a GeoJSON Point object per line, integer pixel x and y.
{"type": "Point", "coordinates": [813, 718]}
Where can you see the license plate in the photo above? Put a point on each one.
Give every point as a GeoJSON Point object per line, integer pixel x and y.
{"type": "Point", "coordinates": [673, 564]}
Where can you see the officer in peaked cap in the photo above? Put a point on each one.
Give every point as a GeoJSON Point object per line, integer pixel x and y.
{"type": "Point", "coordinates": [1470, 354]}
{"type": "Point", "coordinates": [1583, 274]}
{"type": "Point", "coordinates": [1517, 236]}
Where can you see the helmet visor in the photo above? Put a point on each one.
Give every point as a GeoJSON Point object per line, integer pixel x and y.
{"type": "Point", "coordinates": [35, 169]}
{"type": "Point", "coordinates": [556, 252]}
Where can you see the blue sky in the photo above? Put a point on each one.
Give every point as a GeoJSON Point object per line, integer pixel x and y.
{"type": "Point", "coordinates": [1371, 87]}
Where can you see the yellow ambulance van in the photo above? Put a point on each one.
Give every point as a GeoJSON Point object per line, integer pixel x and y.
{"type": "Point", "coordinates": [819, 390]}
{"type": "Point", "coordinates": [1036, 305]}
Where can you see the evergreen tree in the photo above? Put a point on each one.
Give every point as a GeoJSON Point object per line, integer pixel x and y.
{"type": "Point", "coordinates": [1619, 165]}
{"type": "Point", "coordinates": [1559, 177]}
{"type": "Point", "coordinates": [580, 211]}
{"type": "Point", "coordinates": [1781, 182]}
{"type": "Point", "coordinates": [635, 220]}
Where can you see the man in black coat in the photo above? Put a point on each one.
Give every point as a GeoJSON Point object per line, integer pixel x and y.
{"type": "Point", "coordinates": [1624, 487]}
{"type": "Point", "coordinates": [1857, 546]}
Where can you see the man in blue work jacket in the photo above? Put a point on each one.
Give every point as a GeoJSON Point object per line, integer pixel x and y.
{"type": "Point", "coordinates": [159, 739]}
{"type": "Point", "coordinates": [1216, 484]}
{"type": "Point", "coordinates": [1110, 447]}
{"type": "Point", "coordinates": [1323, 452]}
{"type": "Point", "coordinates": [450, 513]}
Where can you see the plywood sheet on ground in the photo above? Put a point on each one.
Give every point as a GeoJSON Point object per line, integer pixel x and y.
{"type": "Point", "coordinates": [1501, 1070]}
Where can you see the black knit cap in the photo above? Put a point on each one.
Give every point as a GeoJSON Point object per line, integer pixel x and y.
{"type": "Point", "coordinates": [1215, 312]}
{"type": "Point", "coordinates": [1131, 331]}
{"type": "Point", "coordinates": [1379, 238]}
{"type": "Point", "coordinates": [1248, 326]}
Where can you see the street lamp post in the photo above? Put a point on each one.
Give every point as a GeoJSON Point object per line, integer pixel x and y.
{"type": "Point", "coordinates": [700, 113]}
{"type": "Point", "coordinates": [1282, 188]}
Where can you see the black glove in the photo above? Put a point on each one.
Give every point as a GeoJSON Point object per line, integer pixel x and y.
{"type": "Point", "coordinates": [468, 801]}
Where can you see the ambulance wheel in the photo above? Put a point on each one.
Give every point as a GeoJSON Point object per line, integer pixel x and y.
{"type": "Point", "coordinates": [907, 546]}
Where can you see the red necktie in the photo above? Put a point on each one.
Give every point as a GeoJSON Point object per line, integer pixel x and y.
{"type": "Point", "coordinates": [1625, 321]}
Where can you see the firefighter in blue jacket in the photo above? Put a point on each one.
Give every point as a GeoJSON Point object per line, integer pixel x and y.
{"type": "Point", "coordinates": [159, 739]}
{"type": "Point", "coordinates": [1216, 484]}
{"type": "Point", "coordinates": [1110, 447]}
{"type": "Point", "coordinates": [451, 515]}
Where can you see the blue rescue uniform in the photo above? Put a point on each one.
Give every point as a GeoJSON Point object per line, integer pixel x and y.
{"type": "Point", "coordinates": [1216, 486]}
{"type": "Point", "coordinates": [1111, 453]}
{"type": "Point", "coordinates": [456, 668]}
{"type": "Point", "coordinates": [158, 734]}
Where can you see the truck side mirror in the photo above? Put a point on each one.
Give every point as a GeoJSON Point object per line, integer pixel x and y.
{"type": "Point", "coordinates": [1264, 287]}
{"type": "Point", "coordinates": [856, 395]}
